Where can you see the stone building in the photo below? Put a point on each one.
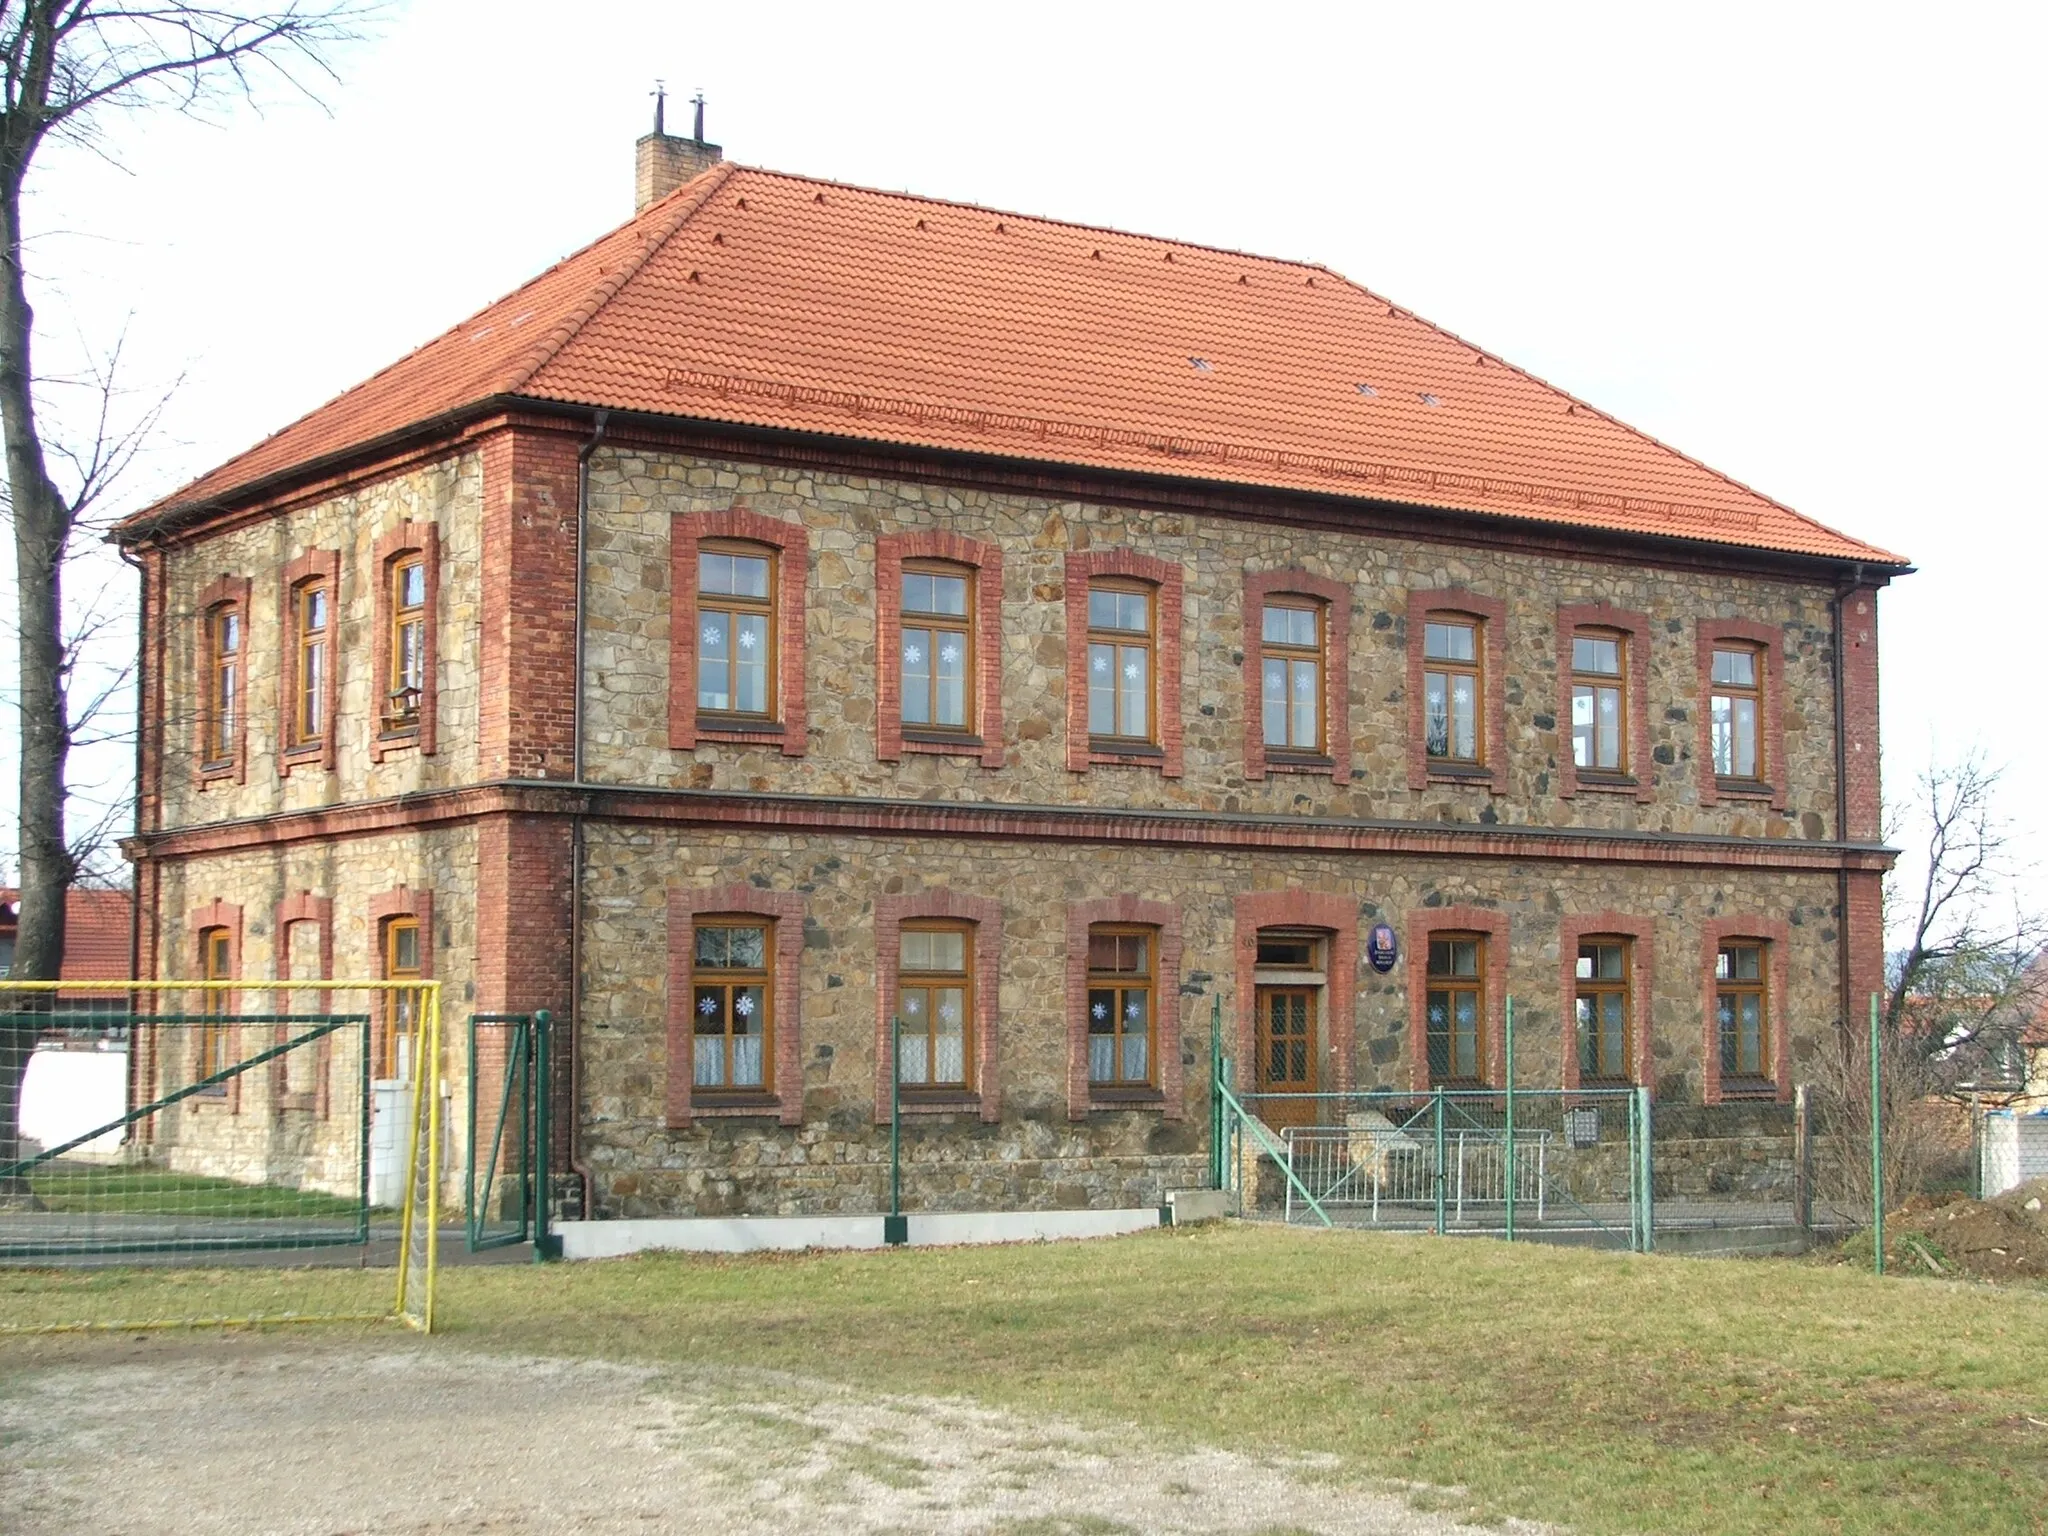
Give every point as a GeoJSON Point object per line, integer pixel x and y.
{"type": "Point", "coordinates": [809, 606]}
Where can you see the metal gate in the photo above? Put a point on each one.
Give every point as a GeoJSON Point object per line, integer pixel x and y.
{"type": "Point", "coordinates": [506, 1186]}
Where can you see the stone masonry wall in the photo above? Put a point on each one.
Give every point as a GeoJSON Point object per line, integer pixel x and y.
{"type": "Point", "coordinates": [1036, 1154]}
{"type": "Point", "coordinates": [635, 496]}
{"type": "Point", "coordinates": [447, 494]}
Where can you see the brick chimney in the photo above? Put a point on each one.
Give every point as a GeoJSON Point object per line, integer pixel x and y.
{"type": "Point", "coordinates": [662, 162]}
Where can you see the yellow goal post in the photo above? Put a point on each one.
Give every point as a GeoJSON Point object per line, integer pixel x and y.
{"type": "Point", "coordinates": [243, 1135]}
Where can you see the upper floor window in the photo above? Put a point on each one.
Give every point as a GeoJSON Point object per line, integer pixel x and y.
{"type": "Point", "coordinates": [1291, 651]}
{"type": "Point", "coordinates": [735, 631]}
{"type": "Point", "coordinates": [934, 1005]}
{"type": "Point", "coordinates": [1735, 707]}
{"type": "Point", "coordinates": [1599, 708]}
{"type": "Point", "coordinates": [1455, 1012]}
{"type": "Point", "coordinates": [1121, 975]}
{"type": "Point", "coordinates": [222, 732]}
{"type": "Point", "coordinates": [1451, 689]}
{"type": "Point", "coordinates": [405, 686]}
{"type": "Point", "coordinates": [1601, 1005]}
{"type": "Point", "coordinates": [732, 1002]}
{"type": "Point", "coordinates": [1742, 1009]}
{"type": "Point", "coordinates": [938, 647]}
{"type": "Point", "coordinates": [310, 626]}
{"type": "Point", "coordinates": [1121, 636]}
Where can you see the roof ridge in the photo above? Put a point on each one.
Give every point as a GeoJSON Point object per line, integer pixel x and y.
{"type": "Point", "coordinates": [1606, 416]}
{"type": "Point", "coordinates": [564, 330]}
{"type": "Point", "coordinates": [1035, 218]}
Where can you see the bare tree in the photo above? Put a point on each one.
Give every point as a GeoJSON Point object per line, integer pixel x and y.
{"type": "Point", "coordinates": [68, 70]}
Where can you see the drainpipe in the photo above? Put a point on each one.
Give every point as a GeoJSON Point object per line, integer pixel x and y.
{"type": "Point", "coordinates": [575, 1116]}
{"type": "Point", "coordinates": [1842, 787]}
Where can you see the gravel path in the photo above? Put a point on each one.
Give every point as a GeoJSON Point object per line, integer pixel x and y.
{"type": "Point", "coordinates": [287, 1436]}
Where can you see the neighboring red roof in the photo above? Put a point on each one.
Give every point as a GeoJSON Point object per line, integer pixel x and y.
{"type": "Point", "coordinates": [97, 931]}
{"type": "Point", "coordinates": [770, 300]}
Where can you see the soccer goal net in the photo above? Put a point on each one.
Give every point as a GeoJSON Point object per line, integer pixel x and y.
{"type": "Point", "coordinates": [181, 1153]}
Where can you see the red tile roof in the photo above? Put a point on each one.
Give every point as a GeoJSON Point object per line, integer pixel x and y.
{"type": "Point", "coordinates": [97, 931]}
{"type": "Point", "coordinates": [778, 301]}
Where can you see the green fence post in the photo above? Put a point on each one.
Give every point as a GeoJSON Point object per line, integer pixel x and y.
{"type": "Point", "coordinates": [1508, 1073]}
{"type": "Point", "coordinates": [1215, 1098]}
{"type": "Point", "coordinates": [1647, 1125]}
{"type": "Point", "coordinates": [472, 1218]}
{"type": "Point", "coordinates": [545, 1246]}
{"type": "Point", "coordinates": [1635, 1185]}
{"type": "Point", "coordinates": [1439, 1097]}
{"type": "Point", "coordinates": [895, 1230]}
{"type": "Point", "coordinates": [1876, 1146]}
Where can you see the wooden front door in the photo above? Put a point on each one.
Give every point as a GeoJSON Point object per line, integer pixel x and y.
{"type": "Point", "coordinates": [1286, 1053]}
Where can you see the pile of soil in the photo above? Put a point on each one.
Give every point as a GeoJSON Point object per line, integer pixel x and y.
{"type": "Point", "coordinates": [2003, 1238]}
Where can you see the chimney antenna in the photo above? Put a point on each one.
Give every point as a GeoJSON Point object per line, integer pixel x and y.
{"type": "Point", "coordinates": [660, 95]}
{"type": "Point", "coordinates": [699, 100]}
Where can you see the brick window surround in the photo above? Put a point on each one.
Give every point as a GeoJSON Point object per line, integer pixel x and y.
{"type": "Point", "coordinates": [423, 539]}
{"type": "Point", "coordinates": [792, 575]}
{"type": "Point", "coordinates": [985, 913]}
{"type": "Point", "coordinates": [1336, 917]}
{"type": "Point", "coordinates": [1335, 598]}
{"type": "Point", "coordinates": [1571, 618]}
{"type": "Point", "coordinates": [303, 907]}
{"type": "Point", "coordinates": [1769, 646]}
{"type": "Point", "coordinates": [1776, 937]}
{"type": "Point", "coordinates": [1165, 579]}
{"type": "Point", "coordinates": [1422, 926]}
{"type": "Point", "coordinates": [218, 914]}
{"type": "Point", "coordinates": [222, 590]}
{"type": "Point", "coordinates": [784, 910]}
{"type": "Point", "coordinates": [1492, 616]}
{"type": "Point", "coordinates": [1641, 933]}
{"type": "Point", "coordinates": [323, 566]}
{"type": "Point", "coordinates": [985, 560]}
{"type": "Point", "coordinates": [1081, 916]}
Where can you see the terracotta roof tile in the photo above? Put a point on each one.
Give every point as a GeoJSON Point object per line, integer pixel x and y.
{"type": "Point", "coordinates": [770, 300]}
{"type": "Point", "coordinates": [96, 932]}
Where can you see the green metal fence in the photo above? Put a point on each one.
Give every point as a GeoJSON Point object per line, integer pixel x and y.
{"type": "Point", "coordinates": [505, 1184]}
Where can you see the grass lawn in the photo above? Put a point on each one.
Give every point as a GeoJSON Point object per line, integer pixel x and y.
{"type": "Point", "coordinates": [146, 1192]}
{"type": "Point", "coordinates": [1607, 1392]}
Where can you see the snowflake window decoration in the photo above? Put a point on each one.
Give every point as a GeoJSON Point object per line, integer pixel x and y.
{"type": "Point", "coordinates": [1100, 1010]}
{"type": "Point", "coordinates": [1303, 683]}
{"type": "Point", "coordinates": [1102, 663]}
{"type": "Point", "coordinates": [713, 634]}
{"type": "Point", "coordinates": [744, 1007]}
{"type": "Point", "coordinates": [1131, 670]}
{"type": "Point", "coordinates": [950, 654]}
{"type": "Point", "coordinates": [708, 1006]}
{"type": "Point", "coordinates": [911, 1005]}
{"type": "Point", "coordinates": [913, 654]}
{"type": "Point", "coordinates": [747, 640]}
{"type": "Point", "coordinates": [1132, 1010]}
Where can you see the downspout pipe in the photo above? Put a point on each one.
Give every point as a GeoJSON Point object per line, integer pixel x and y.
{"type": "Point", "coordinates": [1839, 611]}
{"type": "Point", "coordinates": [575, 1075]}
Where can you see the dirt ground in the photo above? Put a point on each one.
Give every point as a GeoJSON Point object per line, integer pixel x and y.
{"type": "Point", "coordinates": [276, 1433]}
{"type": "Point", "coordinates": [2004, 1238]}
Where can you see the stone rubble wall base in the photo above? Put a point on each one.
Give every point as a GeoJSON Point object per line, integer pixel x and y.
{"type": "Point", "coordinates": [753, 1234]}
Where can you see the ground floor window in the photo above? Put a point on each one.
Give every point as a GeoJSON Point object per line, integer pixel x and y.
{"type": "Point", "coordinates": [732, 1004]}
{"type": "Point", "coordinates": [935, 1004]}
{"type": "Point", "coordinates": [1601, 1002]}
{"type": "Point", "coordinates": [1456, 1008]}
{"type": "Point", "coordinates": [1741, 998]}
{"type": "Point", "coordinates": [400, 1027]}
{"type": "Point", "coordinates": [1121, 975]}
{"type": "Point", "coordinates": [217, 961]}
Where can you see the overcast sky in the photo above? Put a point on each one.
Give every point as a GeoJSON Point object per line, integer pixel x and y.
{"type": "Point", "coordinates": [1800, 242]}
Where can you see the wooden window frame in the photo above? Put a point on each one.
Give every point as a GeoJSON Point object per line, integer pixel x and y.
{"type": "Point", "coordinates": [303, 907]}
{"type": "Point", "coordinates": [895, 553]}
{"type": "Point", "coordinates": [1775, 936]}
{"type": "Point", "coordinates": [403, 902]}
{"type": "Point", "coordinates": [1083, 570]}
{"type": "Point", "coordinates": [1451, 668]}
{"type": "Point", "coordinates": [983, 915]}
{"type": "Point", "coordinates": [735, 606]}
{"type": "Point", "coordinates": [1636, 776]}
{"type": "Point", "coordinates": [223, 595]}
{"type": "Point", "coordinates": [1111, 743]}
{"type": "Point", "coordinates": [730, 978]}
{"type": "Point", "coordinates": [1164, 1097]}
{"type": "Point", "coordinates": [421, 733]}
{"type": "Point", "coordinates": [1122, 982]}
{"type": "Point", "coordinates": [1334, 599]}
{"type": "Point", "coordinates": [316, 568]}
{"type": "Point", "coordinates": [1335, 920]}
{"type": "Point", "coordinates": [963, 980]}
{"type": "Point", "coordinates": [783, 913]}
{"type": "Point", "coordinates": [1490, 615]}
{"type": "Point", "coordinates": [1437, 922]}
{"type": "Point", "coordinates": [688, 727]}
{"type": "Point", "coordinates": [1640, 934]}
{"type": "Point", "coordinates": [1768, 643]}
{"type": "Point", "coordinates": [224, 918]}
